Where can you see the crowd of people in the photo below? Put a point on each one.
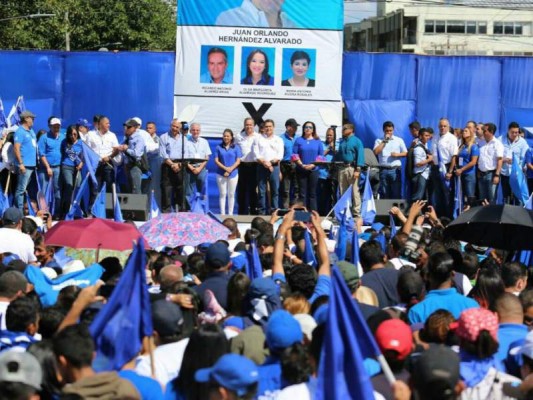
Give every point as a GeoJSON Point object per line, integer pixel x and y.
{"type": "Point", "coordinates": [264, 171]}
{"type": "Point", "coordinates": [451, 319]}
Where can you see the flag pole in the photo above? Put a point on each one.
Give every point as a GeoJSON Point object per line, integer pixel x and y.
{"type": "Point", "coordinates": [7, 182]}
{"type": "Point", "coordinates": [150, 346]}
{"type": "Point", "coordinates": [386, 369]}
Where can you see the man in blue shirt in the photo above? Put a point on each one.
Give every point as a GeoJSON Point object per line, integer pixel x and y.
{"type": "Point", "coordinates": [197, 171]}
{"type": "Point", "coordinates": [217, 65]}
{"type": "Point", "coordinates": [49, 146]}
{"type": "Point", "coordinates": [390, 150]}
{"type": "Point", "coordinates": [511, 324]}
{"type": "Point", "coordinates": [513, 145]}
{"type": "Point", "coordinates": [133, 148]}
{"type": "Point", "coordinates": [288, 170]}
{"type": "Point", "coordinates": [25, 154]}
{"type": "Point", "coordinates": [351, 155]}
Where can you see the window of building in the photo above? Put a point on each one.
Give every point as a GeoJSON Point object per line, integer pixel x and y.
{"type": "Point", "coordinates": [440, 26]}
{"type": "Point", "coordinates": [511, 28]}
{"type": "Point", "coordinates": [455, 27]}
{"type": "Point", "coordinates": [429, 26]}
{"type": "Point", "coordinates": [482, 28]}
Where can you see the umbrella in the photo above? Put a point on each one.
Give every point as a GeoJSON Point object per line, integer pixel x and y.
{"type": "Point", "coordinates": [176, 229]}
{"type": "Point", "coordinates": [500, 226]}
{"type": "Point", "coordinates": [93, 233]}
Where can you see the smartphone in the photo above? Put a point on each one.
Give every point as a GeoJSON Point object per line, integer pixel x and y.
{"type": "Point", "coordinates": [281, 212]}
{"type": "Point", "coordinates": [302, 216]}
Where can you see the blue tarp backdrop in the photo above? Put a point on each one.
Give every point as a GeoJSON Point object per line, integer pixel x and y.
{"type": "Point", "coordinates": [375, 88]}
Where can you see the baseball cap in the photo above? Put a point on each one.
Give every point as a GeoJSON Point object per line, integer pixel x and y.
{"type": "Point", "coordinates": [167, 318]}
{"type": "Point", "coordinates": [232, 371]}
{"type": "Point", "coordinates": [27, 114]}
{"type": "Point", "coordinates": [83, 122]}
{"type": "Point", "coordinates": [394, 334]}
{"type": "Point", "coordinates": [217, 255]}
{"type": "Point", "coordinates": [139, 121]}
{"type": "Point", "coordinates": [55, 121]}
{"type": "Point", "coordinates": [349, 272]}
{"type": "Point", "coordinates": [131, 122]}
{"type": "Point", "coordinates": [12, 216]}
{"type": "Point", "coordinates": [436, 372]}
{"type": "Point", "coordinates": [20, 367]}
{"type": "Point", "coordinates": [292, 122]}
{"type": "Point", "coordinates": [282, 330]}
{"type": "Point", "coordinates": [473, 321]}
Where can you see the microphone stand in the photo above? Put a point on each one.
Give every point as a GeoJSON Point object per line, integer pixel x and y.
{"type": "Point", "coordinates": [182, 205]}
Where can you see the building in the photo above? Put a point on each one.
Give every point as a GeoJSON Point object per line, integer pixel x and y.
{"type": "Point", "coordinates": [447, 27]}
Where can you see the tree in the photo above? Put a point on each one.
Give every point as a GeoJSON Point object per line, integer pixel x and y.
{"type": "Point", "coordinates": [91, 24]}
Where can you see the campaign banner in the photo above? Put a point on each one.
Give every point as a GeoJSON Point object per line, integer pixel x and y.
{"type": "Point", "coordinates": [265, 59]}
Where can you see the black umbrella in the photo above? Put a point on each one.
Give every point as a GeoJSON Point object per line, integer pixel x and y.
{"type": "Point", "coordinates": [500, 226]}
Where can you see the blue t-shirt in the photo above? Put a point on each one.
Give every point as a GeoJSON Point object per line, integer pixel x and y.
{"type": "Point", "coordinates": [322, 287]}
{"type": "Point", "coordinates": [50, 147]}
{"type": "Point", "coordinates": [351, 150]}
{"type": "Point", "coordinates": [323, 172]}
{"type": "Point", "coordinates": [308, 149]}
{"type": "Point", "coordinates": [228, 157]}
{"type": "Point", "coordinates": [71, 156]}
{"type": "Point", "coordinates": [446, 299]}
{"type": "Point", "coordinates": [148, 388]}
{"type": "Point", "coordinates": [464, 157]}
{"type": "Point", "coordinates": [507, 335]}
{"type": "Point", "coordinates": [28, 146]}
{"type": "Point", "coordinates": [288, 143]}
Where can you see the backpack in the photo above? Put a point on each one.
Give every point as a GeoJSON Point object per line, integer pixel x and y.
{"type": "Point", "coordinates": [410, 162]}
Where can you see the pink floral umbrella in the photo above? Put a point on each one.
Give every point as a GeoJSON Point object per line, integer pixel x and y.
{"type": "Point", "coordinates": [177, 229]}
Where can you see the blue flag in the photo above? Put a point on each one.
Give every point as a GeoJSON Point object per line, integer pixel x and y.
{"type": "Point", "coordinates": [342, 236]}
{"type": "Point", "coordinates": [525, 255]}
{"type": "Point", "coordinates": [253, 266]}
{"type": "Point", "coordinates": [458, 201]}
{"type": "Point", "coordinates": [3, 119]}
{"type": "Point", "coordinates": [355, 248]}
{"type": "Point", "coordinates": [368, 205]}
{"type": "Point", "coordinates": [50, 196]}
{"type": "Point", "coordinates": [4, 201]}
{"type": "Point", "coordinates": [309, 254]}
{"type": "Point", "coordinates": [347, 342]}
{"type": "Point", "coordinates": [75, 208]}
{"type": "Point", "coordinates": [393, 229]}
{"type": "Point", "coordinates": [31, 210]}
{"type": "Point", "coordinates": [98, 208]}
{"type": "Point", "coordinates": [90, 160]}
{"type": "Point", "coordinates": [154, 208]}
{"type": "Point", "coordinates": [61, 257]}
{"type": "Point", "coordinates": [380, 238]}
{"type": "Point", "coordinates": [344, 206]}
{"type": "Point", "coordinates": [123, 322]}
{"type": "Point", "coordinates": [117, 212]}
{"type": "Point", "coordinates": [14, 115]}
{"type": "Point", "coordinates": [499, 195]}
{"type": "Point", "coordinates": [518, 182]}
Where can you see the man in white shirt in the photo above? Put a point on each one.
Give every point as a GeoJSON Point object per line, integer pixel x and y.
{"type": "Point", "coordinates": [514, 146]}
{"type": "Point", "coordinates": [269, 151]}
{"type": "Point", "coordinates": [155, 161]}
{"type": "Point", "coordinates": [105, 144]}
{"type": "Point", "coordinates": [12, 285]}
{"type": "Point", "coordinates": [197, 171]}
{"type": "Point", "coordinates": [256, 13]}
{"type": "Point", "coordinates": [444, 148]}
{"type": "Point", "coordinates": [422, 162]}
{"type": "Point", "coordinates": [12, 240]}
{"type": "Point", "coordinates": [489, 164]}
{"type": "Point", "coordinates": [247, 187]}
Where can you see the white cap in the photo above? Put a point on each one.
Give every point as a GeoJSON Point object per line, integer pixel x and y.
{"type": "Point", "coordinates": [50, 273]}
{"type": "Point", "coordinates": [140, 121]}
{"type": "Point", "coordinates": [73, 266]}
{"type": "Point", "coordinates": [38, 220]}
{"type": "Point", "coordinates": [55, 121]}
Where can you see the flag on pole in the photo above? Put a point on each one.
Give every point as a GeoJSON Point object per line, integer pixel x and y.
{"type": "Point", "coordinates": [355, 248]}
{"type": "Point", "coordinates": [253, 267]}
{"type": "Point", "coordinates": [75, 208]}
{"type": "Point", "coordinates": [14, 115]}
{"type": "Point", "coordinates": [393, 229]}
{"type": "Point", "coordinates": [525, 255]}
{"type": "Point", "coordinates": [90, 160]}
{"type": "Point", "coordinates": [98, 208]}
{"type": "Point", "coordinates": [344, 206]}
{"type": "Point", "coordinates": [518, 182]}
{"type": "Point", "coordinates": [117, 212]}
{"type": "Point", "coordinates": [342, 236]}
{"type": "Point", "coordinates": [309, 254]}
{"type": "Point", "coordinates": [31, 210]}
{"type": "Point", "coordinates": [347, 342]}
{"type": "Point", "coordinates": [380, 238]}
{"type": "Point", "coordinates": [368, 205]}
{"type": "Point", "coordinates": [3, 119]}
{"type": "Point", "coordinates": [123, 322]}
{"type": "Point", "coordinates": [458, 201]}
{"type": "Point", "coordinates": [50, 196]}
{"type": "Point", "coordinates": [154, 208]}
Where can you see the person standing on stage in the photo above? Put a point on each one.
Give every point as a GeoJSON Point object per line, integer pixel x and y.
{"type": "Point", "coordinates": [247, 187]}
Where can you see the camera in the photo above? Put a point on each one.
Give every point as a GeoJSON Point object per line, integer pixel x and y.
{"type": "Point", "coordinates": [184, 125]}
{"type": "Point", "coordinates": [410, 250]}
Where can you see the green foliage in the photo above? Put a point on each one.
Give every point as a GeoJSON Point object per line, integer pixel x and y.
{"type": "Point", "coordinates": [91, 24]}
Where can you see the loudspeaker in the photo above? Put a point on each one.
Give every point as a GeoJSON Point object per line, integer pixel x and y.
{"type": "Point", "coordinates": [383, 207]}
{"type": "Point", "coordinates": [133, 206]}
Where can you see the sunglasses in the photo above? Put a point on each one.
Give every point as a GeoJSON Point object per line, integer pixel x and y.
{"type": "Point", "coordinates": [308, 127]}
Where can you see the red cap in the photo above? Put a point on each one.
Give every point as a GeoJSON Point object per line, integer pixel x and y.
{"type": "Point", "coordinates": [394, 334]}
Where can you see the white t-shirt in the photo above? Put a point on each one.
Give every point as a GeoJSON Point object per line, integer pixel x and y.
{"type": "Point", "coordinates": [167, 359]}
{"type": "Point", "coordinates": [3, 310]}
{"type": "Point", "coordinates": [16, 242]}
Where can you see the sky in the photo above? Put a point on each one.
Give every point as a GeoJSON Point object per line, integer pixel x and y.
{"type": "Point", "coordinates": [357, 11]}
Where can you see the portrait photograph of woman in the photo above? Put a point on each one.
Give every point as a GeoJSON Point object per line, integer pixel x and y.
{"type": "Point", "coordinates": [298, 69]}
{"type": "Point", "coordinates": [258, 66]}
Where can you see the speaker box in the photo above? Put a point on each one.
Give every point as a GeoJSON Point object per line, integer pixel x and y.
{"type": "Point", "coordinates": [383, 207]}
{"type": "Point", "coordinates": [133, 206]}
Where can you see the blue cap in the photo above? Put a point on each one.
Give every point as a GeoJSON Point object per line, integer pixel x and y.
{"type": "Point", "coordinates": [12, 216]}
{"type": "Point", "coordinates": [217, 255]}
{"type": "Point", "coordinates": [282, 331]}
{"type": "Point", "coordinates": [83, 122]}
{"type": "Point", "coordinates": [232, 371]}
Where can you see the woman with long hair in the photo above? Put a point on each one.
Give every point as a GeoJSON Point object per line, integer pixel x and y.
{"type": "Point", "coordinates": [227, 158]}
{"type": "Point", "coordinates": [306, 149]}
{"type": "Point", "coordinates": [71, 164]}
{"type": "Point", "coordinates": [465, 165]}
{"type": "Point", "coordinates": [206, 345]}
{"type": "Point", "coordinates": [257, 69]}
{"type": "Point", "coordinates": [326, 181]}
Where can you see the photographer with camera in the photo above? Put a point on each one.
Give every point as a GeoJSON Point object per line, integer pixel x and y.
{"type": "Point", "coordinates": [389, 150]}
